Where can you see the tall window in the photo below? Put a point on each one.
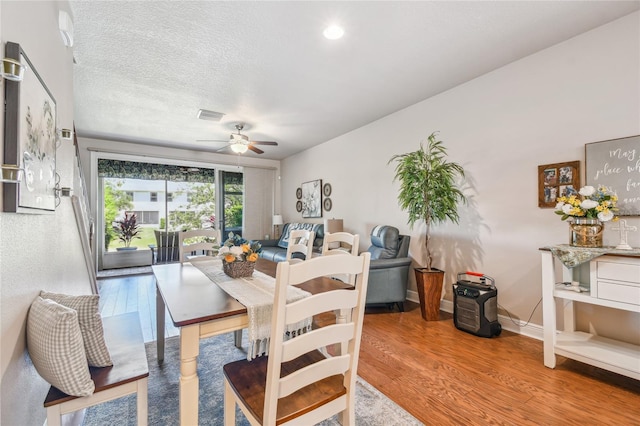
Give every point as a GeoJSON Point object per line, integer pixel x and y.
{"type": "Point", "coordinates": [232, 193]}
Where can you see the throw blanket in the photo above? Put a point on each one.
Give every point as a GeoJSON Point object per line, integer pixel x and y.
{"type": "Point", "coordinates": [257, 294]}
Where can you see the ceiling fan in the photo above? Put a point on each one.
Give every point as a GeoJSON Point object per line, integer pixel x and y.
{"type": "Point", "coordinates": [240, 143]}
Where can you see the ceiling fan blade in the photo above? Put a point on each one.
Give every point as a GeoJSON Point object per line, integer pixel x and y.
{"type": "Point", "coordinates": [254, 149]}
{"type": "Point", "coordinates": [221, 149]}
{"type": "Point", "coordinates": [211, 140]}
{"type": "Point", "coordinates": [264, 143]}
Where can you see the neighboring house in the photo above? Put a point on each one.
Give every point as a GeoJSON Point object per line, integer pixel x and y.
{"type": "Point", "coordinates": [149, 198]}
{"type": "Point", "coordinates": [541, 109]}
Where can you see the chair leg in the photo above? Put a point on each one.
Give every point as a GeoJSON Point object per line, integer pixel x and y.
{"type": "Point", "coordinates": [237, 336]}
{"type": "Point", "coordinates": [229, 405]}
{"type": "Point", "coordinates": [54, 415]}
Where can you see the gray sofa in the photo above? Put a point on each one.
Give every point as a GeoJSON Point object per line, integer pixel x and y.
{"type": "Point", "coordinates": [276, 250]}
{"type": "Point", "coordinates": [389, 269]}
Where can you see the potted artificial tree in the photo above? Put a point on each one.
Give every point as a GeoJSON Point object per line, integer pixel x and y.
{"type": "Point", "coordinates": [127, 230]}
{"type": "Point", "coordinates": [428, 192]}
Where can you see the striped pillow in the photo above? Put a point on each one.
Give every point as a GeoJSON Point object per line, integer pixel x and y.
{"type": "Point", "coordinates": [90, 325]}
{"type": "Point", "coordinates": [56, 348]}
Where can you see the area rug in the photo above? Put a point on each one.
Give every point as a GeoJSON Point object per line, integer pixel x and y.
{"type": "Point", "coordinates": [372, 407]}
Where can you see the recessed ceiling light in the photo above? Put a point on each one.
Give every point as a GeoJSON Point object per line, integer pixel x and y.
{"type": "Point", "coordinates": [333, 32]}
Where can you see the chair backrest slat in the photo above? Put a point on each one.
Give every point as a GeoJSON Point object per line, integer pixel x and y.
{"type": "Point", "coordinates": [319, 303]}
{"type": "Point", "coordinates": [313, 373]}
{"type": "Point", "coordinates": [324, 336]}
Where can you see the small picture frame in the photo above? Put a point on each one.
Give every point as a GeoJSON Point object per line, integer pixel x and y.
{"type": "Point", "coordinates": [326, 189]}
{"type": "Point", "coordinates": [299, 193]}
{"type": "Point", "coordinates": [557, 180]}
{"type": "Point", "coordinates": [299, 206]}
{"type": "Point", "coordinates": [327, 204]}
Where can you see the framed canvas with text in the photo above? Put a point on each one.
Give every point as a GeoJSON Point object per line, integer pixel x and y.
{"type": "Point", "coordinates": [615, 164]}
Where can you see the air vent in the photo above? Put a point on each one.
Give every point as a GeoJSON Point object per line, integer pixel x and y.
{"type": "Point", "coordinates": [205, 114]}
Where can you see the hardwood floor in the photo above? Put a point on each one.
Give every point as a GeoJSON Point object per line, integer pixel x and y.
{"type": "Point", "coordinates": [444, 376]}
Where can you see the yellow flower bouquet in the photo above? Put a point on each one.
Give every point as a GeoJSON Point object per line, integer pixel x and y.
{"type": "Point", "coordinates": [239, 256]}
{"type": "Point", "coordinates": [589, 203]}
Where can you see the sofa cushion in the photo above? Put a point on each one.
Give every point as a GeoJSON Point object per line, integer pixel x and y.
{"type": "Point", "coordinates": [87, 307]}
{"type": "Point", "coordinates": [384, 242]}
{"type": "Point", "coordinates": [317, 228]}
{"type": "Point", "coordinates": [56, 348]}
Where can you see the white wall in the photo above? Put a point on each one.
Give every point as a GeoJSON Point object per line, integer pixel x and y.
{"type": "Point", "coordinates": [37, 251]}
{"type": "Point", "coordinates": [542, 109]}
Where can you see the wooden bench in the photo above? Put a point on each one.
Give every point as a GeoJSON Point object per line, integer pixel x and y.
{"type": "Point", "coordinates": [128, 375]}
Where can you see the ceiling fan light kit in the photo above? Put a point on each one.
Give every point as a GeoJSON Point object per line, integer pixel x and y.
{"type": "Point", "coordinates": [240, 143]}
{"type": "Point", "coordinates": [239, 148]}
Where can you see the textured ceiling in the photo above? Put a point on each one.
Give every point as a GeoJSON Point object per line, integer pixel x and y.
{"type": "Point", "coordinates": [145, 68]}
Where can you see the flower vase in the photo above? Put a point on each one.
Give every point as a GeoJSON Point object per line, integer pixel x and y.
{"type": "Point", "coordinates": [585, 232]}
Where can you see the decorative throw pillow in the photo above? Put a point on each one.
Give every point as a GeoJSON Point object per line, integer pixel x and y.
{"type": "Point", "coordinates": [90, 322]}
{"type": "Point", "coordinates": [56, 348]}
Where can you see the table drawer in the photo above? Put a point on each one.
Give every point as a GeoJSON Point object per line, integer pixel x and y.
{"type": "Point", "coordinates": [625, 293]}
{"type": "Point", "coordinates": [619, 271]}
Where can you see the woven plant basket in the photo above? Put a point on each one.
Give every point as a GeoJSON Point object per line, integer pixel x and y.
{"type": "Point", "coordinates": [238, 269]}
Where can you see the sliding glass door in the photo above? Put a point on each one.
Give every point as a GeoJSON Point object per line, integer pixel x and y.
{"type": "Point", "coordinates": [165, 199]}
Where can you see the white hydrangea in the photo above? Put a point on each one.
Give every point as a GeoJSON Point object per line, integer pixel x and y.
{"type": "Point", "coordinates": [588, 204]}
{"type": "Point", "coordinates": [605, 216]}
{"type": "Point", "coordinates": [587, 191]}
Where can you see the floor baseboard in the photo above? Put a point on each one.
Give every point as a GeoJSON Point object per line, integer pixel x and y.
{"type": "Point", "coordinates": [530, 330]}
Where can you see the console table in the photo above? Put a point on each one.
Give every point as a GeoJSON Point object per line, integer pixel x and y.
{"type": "Point", "coordinates": [614, 282]}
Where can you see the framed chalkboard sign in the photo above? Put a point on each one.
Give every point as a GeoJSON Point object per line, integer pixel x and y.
{"type": "Point", "coordinates": [616, 164]}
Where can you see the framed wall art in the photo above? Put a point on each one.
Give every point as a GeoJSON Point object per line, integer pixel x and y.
{"type": "Point", "coordinates": [312, 199]}
{"type": "Point", "coordinates": [29, 139]}
{"type": "Point", "coordinates": [557, 180]}
{"type": "Point", "coordinates": [615, 164]}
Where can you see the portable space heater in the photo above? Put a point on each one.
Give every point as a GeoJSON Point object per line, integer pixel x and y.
{"type": "Point", "coordinates": [475, 305]}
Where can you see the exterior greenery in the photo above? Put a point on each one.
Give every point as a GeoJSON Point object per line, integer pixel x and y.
{"type": "Point", "coordinates": [127, 228]}
{"type": "Point", "coordinates": [428, 190]}
{"type": "Point", "coordinates": [114, 202]}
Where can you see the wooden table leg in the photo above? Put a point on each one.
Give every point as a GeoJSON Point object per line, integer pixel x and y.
{"type": "Point", "coordinates": [189, 383]}
{"type": "Point", "coordinates": [160, 308]}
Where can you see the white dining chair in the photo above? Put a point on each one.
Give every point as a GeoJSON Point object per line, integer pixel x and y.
{"type": "Point", "coordinates": [300, 241]}
{"type": "Point", "coordinates": [341, 243]}
{"type": "Point", "coordinates": [266, 388]}
{"type": "Point", "coordinates": [190, 243]}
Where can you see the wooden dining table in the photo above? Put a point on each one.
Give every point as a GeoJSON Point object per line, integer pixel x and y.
{"type": "Point", "coordinates": [201, 309]}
